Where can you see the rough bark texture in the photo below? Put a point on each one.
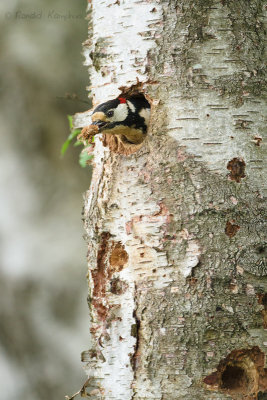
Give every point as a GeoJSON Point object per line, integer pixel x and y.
{"type": "Point", "coordinates": [177, 270]}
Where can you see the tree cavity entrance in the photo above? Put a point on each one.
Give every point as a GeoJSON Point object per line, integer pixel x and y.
{"type": "Point", "coordinates": [123, 144]}
{"type": "Point", "coordinates": [234, 378]}
{"type": "Point", "coordinates": [242, 374]}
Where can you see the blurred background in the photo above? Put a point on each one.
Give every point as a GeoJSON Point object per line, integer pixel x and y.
{"type": "Point", "coordinates": [44, 321]}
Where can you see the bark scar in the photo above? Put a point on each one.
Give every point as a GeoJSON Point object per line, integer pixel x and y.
{"type": "Point", "coordinates": [241, 374]}
{"type": "Point", "coordinates": [236, 167]}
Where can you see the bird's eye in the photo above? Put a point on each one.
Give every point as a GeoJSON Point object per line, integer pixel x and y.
{"type": "Point", "coordinates": [110, 113]}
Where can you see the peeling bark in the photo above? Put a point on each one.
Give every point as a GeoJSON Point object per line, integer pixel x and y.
{"type": "Point", "coordinates": [177, 260]}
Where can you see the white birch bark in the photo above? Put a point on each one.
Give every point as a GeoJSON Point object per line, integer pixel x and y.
{"type": "Point", "coordinates": [177, 277]}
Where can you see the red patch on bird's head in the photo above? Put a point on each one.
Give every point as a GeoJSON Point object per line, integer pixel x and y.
{"type": "Point", "coordinates": [122, 100]}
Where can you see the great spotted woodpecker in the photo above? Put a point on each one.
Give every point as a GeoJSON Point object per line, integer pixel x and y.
{"type": "Point", "coordinates": [128, 118]}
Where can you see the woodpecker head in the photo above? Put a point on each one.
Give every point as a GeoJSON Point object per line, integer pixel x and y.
{"type": "Point", "coordinates": [121, 115]}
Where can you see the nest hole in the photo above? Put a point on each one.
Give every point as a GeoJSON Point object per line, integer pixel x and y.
{"type": "Point", "coordinates": [118, 143]}
{"type": "Point", "coordinates": [234, 378]}
{"type": "Point", "coordinates": [241, 374]}
{"type": "Point", "coordinates": [137, 90]}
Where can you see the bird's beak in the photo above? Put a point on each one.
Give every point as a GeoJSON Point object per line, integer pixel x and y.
{"type": "Point", "coordinates": [99, 123]}
{"type": "Point", "coordinates": [99, 119]}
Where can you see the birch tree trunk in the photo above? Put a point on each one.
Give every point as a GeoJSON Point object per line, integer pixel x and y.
{"type": "Point", "coordinates": [176, 267]}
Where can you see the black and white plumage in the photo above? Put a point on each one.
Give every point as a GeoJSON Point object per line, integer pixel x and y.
{"type": "Point", "coordinates": [128, 118]}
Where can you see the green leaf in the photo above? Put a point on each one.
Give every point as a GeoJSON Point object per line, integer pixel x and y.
{"type": "Point", "coordinates": [74, 133]}
{"type": "Point", "coordinates": [64, 147]}
{"type": "Point", "coordinates": [84, 158]}
{"type": "Point", "coordinates": [70, 118]}
{"type": "Point", "coordinates": [78, 143]}
{"type": "Point", "coordinates": [71, 136]}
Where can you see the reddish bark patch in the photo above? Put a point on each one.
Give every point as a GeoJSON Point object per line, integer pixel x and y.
{"type": "Point", "coordinates": [164, 211]}
{"type": "Point", "coordinates": [111, 257]}
{"type": "Point", "coordinates": [241, 374]}
{"type": "Point", "coordinates": [128, 227]}
{"type": "Point", "coordinates": [118, 258]}
{"type": "Point", "coordinates": [231, 228]}
{"type": "Point", "coordinates": [163, 216]}
{"type": "Point", "coordinates": [212, 379]}
{"type": "Point", "coordinates": [236, 167]}
{"type": "Point", "coordinates": [181, 155]}
{"type": "Point", "coordinates": [129, 224]}
{"type": "Point", "coordinates": [99, 276]}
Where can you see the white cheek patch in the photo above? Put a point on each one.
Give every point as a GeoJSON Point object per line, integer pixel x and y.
{"type": "Point", "coordinates": [120, 113]}
{"type": "Point", "coordinates": [131, 106]}
{"type": "Point", "coordinates": [145, 113]}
